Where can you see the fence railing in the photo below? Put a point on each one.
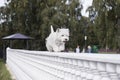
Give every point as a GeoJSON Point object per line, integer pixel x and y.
{"type": "Point", "coordinates": [43, 65]}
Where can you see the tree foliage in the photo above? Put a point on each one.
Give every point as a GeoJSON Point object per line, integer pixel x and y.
{"type": "Point", "coordinates": [105, 14]}
{"type": "Point", "coordinates": [34, 18]}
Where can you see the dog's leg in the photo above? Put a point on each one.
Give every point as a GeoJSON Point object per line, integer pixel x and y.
{"type": "Point", "coordinates": [56, 49]}
{"type": "Point", "coordinates": [62, 47]}
{"type": "Point", "coordinates": [49, 48]}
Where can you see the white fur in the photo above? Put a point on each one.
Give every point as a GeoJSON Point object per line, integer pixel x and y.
{"type": "Point", "coordinates": [56, 40]}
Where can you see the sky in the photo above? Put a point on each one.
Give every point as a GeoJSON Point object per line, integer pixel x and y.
{"type": "Point", "coordinates": [86, 4]}
{"type": "Point", "coordinates": [1, 2]}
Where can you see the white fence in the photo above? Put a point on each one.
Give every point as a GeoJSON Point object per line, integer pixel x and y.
{"type": "Point", "coordinates": [40, 65]}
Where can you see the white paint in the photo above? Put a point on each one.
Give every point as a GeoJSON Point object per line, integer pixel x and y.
{"type": "Point", "coordinates": [43, 65]}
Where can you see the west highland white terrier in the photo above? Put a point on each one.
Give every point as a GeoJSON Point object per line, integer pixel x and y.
{"type": "Point", "coordinates": [56, 40]}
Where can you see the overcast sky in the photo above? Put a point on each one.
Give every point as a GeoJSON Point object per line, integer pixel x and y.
{"type": "Point", "coordinates": [86, 3]}
{"type": "Point", "coordinates": [1, 2]}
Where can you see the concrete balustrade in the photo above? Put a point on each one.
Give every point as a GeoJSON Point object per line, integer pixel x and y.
{"type": "Point", "coordinates": [43, 65]}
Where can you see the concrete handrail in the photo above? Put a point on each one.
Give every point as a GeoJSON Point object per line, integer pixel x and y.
{"type": "Point", "coordinates": [43, 65]}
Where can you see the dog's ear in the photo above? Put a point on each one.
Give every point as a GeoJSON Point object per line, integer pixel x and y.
{"type": "Point", "coordinates": [52, 30]}
{"type": "Point", "coordinates": [58, 30]}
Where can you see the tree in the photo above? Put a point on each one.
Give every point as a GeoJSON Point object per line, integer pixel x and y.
{"type": "Point", "coordinates": [34, 17]}
{"type": "Point", "coordinates": [104, 14]}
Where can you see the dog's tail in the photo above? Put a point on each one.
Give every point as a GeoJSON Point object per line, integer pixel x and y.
{"type": "Point", "coordinates": [52, 29]}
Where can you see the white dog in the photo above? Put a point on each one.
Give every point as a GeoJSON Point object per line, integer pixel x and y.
{"type": "Point", "coordinates": [56, 40]}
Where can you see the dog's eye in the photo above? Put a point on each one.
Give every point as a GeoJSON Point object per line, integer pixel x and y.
{"type": "Point", "coordinates": [62, 35]}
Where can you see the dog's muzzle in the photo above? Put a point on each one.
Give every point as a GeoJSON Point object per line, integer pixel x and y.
{"type": "Point", "coordinates": [65, 40]}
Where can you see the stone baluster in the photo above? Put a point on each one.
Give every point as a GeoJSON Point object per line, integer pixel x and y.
{"type": "Point", "coordinates": [66, 72]}
{"type": "Point", "coordinates": [85, 69]}
{"type": "Point", "coordinates": [102, 69]}
{"type": "Point", "coordinates": [60, 68]}
{"type": "Point", "coordinates": [55, 65]}
{"type": "Point", "coordinates": [111, 69]}
{"type": "Point", "coordinates": [118, 70]}
{"type": "Point", "coordinates": [96, 72]}
{"type": "Point", "coordinates": [67, 69]}
{"type": "Point", "coordinates": [75, 69]}
{"type": "Point", "coordinates": [71, 69]}
{"type": "Point", "coordinates": [56, 62]}
{"type": "Point", "coordinates": [80, 68]}
{"type": "Point", "coordinates": [92, 70]}
{"type": "Point", "coordinates": [63, 67]}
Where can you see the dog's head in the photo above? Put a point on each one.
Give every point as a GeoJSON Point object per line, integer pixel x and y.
{"type": "Point", "coordinates": [62, 34]}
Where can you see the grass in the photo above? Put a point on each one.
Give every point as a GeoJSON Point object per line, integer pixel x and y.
{"type": "Point", "coordinates": [4, 73]}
